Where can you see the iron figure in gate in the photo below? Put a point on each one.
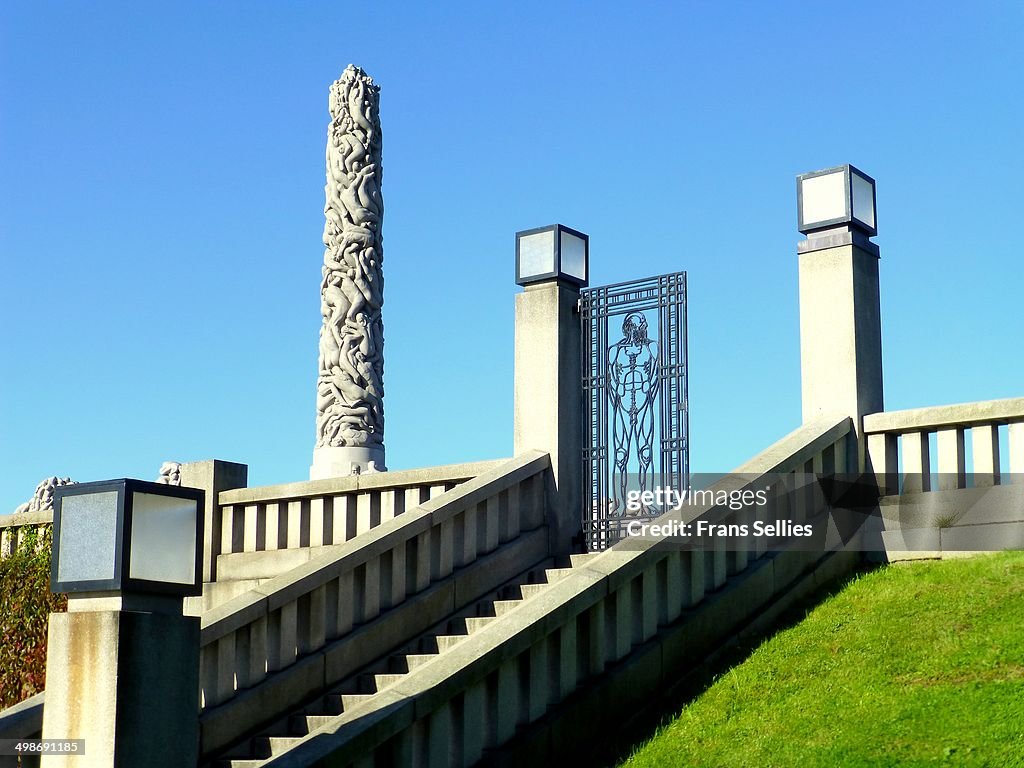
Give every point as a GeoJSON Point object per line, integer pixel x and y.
{"type": "Point", "coordinates": [633, 387]}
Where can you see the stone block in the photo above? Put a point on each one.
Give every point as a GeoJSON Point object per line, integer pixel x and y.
{"type": "Point", "coordinates": [991, 537]}
{"type": "Point", "coordinates": [100, 663]}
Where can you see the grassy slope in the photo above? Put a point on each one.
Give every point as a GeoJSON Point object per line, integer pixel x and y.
{"type": "Point", "coordinates": [917, 664]}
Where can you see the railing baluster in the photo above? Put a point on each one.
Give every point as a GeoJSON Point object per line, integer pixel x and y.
{"type": "Point", "coordinates": [513, 513]}
{"type": "Point", "coordinates": [399, 571]}
{"type": "Point", "coordinates": [504, 702]}
{"type": "Point", "coordinates": [916, 463]}
{"type": "Point", "coordinates": [985, 450]}
{"type": "Point", "coordinates": [621, 618]}
{"type": "Point", "coordinates": [250, 527]}
{"type": "Point", "coordinates": [648, 607]}
{"type": "Point", "coordinates": [671, 599]}
{"type": "Point", "coordinates": [538, 680]}
{"type": "Point", "coordinates": [951, 459]}
{"type": "Point", "coordinates": [371, 589]}
{"type": "Point", "coordinates": [271, 512]}
{"type": "Point", "coordinates": [567, 653]}
{"type": "Point", "coordinates": [493, 524]}
{"type": "Point", "coordinates": [346, 603]}
{"type": "Point", "coordinates": [318, 526]}
{"type": "Point", "coordinates": [883, 456]}
{"type": "Point", "coordinates": [387, 505]}
{"type": "Point", "coordinates": [1015, 443]}
{"type": "Point", "coordinates": [474, 725]}
{"type": "Point", "coordinates": [424, 558]}
{"type": "Point", "coordinates": [468, 522]}
{"type": "Point", "coordinates": [257, 650]}
{"type": "Point", "coordinates": [693, 572]}
{"type": "Point", "coordinates": [297, 528]}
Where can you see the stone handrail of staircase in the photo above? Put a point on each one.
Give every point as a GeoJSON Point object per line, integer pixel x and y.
{"type": "Point", "coordinates": [896, 435]}
{"type": "Point", "coordinates": [22, 721]}
{"type": "Point", "coordinates": [285, 638]}
{"type": "Point", "coordinates": [632, 597]}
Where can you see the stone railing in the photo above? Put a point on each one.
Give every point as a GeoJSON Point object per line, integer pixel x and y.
{"type": "Point", "coordinates": [302, 621]}
{"type": "Point", "coordinates": [14, 528]}
{"type": "Point", "coordinates": [513, 672]}
{"type": "Point", "coordinates": [899, 445]}
{"type": "Point", "coordinates": [22, 721]}
{"type": "Point", "coordinates": [322, 512]}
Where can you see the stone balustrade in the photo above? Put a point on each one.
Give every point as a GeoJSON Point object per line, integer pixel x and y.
{"type": "Point", "coordinates": [513, 672]}
{"type": "Point", "coordinates": [900, 446]}
{"type": "Point", "coordinates": [311, 611]}
{"type": "Point", "coordinates": [14, 529]}
{"type": "Point", "coordinates": [322, 512]}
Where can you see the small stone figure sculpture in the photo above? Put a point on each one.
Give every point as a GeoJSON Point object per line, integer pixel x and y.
{"type": "Point", "coordinates": [170, 473]}
{"type": "Point", "coordinates": [42, 499]}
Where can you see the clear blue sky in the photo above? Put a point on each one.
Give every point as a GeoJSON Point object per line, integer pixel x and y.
{"type": "Point", "coordinates": [161, 195]}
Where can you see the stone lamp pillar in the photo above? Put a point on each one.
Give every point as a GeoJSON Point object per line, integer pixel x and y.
{"type": "Point", "coordinates": [840, 315]}
{"type": "Point", "coordinates": [552, 264]}
{"type": "Point", "coordinates": [122, 668]}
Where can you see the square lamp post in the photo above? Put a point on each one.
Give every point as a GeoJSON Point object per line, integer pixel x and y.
{"type": "Point", "coordinates": [552, 264]}
{"type": "Point", "coordinates": [122, 664]}
{"type": "Point", "coordinates": [127, 536]}
{"type": "Point", "coordinates": [836, 197]}
{"type": "Point", "coordinates": [555, 252]}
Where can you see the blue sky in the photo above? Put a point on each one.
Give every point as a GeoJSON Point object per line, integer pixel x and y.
{"type": "Point", "coordinates": [161, 195]}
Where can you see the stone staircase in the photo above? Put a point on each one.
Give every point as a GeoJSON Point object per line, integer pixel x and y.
{"type": "Point", "coordinates": [392, 667]}
{"type": "Point", "coordinates": [447, 634]}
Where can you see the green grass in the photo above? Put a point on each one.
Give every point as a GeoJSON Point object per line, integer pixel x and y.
{"type": "Point", "coordinates": [919, 664]}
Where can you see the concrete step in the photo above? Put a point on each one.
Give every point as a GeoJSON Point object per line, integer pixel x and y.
{"type": "Point", "coordinates": [328, 704]}
{"type": "Point", "coordinates": [266, 564]}
{"type": "Point", "coordinates": [377, 683]}
{"type": "Point", "coordinates": [268, 746]}
{"type": "Point", "coordinates": [555, 574]}
{"type": "Point", "coordinates": [474, 623]}
{"type": "Point", "coordinates": [388, 670]}
{"type": "Point", "coordinates": [501, 607]}
{"type": "Point", "coordinates": [405, 663]}
{"type": "Point", "coordinates": [529, 590]}
{"type": "Point", "coordinates": [577, 560]}
{"type": "Point", "coordinates": [444, 642]}
{"type": "Point", "coordinates": [312, 722]}
{"type": "Point", "coordinates": [241, 763]}
{"type": "Point", "coordinates": [342, 702]}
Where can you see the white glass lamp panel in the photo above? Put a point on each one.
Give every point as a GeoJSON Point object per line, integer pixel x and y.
{"type": "Point", "coordinates": [536, 254]}
{"type": "Point", "coordinates": [574, 256]}
{"type": "Point", "coordinates": [863, 200]}
{"type": "Point", "coordinates": [163, 542]}
{"type": "Point", "coordinates": [824, 198]}
{"type": "Point", "coordinates": [88, 537]}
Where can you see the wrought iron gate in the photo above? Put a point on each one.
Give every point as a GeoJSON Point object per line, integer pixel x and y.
{"type": "Point", "coordinates": [635, 414]}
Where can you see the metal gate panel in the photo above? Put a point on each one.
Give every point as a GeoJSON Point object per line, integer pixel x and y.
{"type": "Point", "coordinates": [635, 420]}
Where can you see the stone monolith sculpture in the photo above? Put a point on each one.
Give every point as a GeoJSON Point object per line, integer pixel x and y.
{"type": "Point", "coordinates": [350, 385]}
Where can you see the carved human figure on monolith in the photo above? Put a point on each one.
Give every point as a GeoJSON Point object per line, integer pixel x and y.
{"type": "Point", "coordinates": [350, 384]}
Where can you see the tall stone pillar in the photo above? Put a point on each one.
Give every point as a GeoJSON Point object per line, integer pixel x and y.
{"type": "Point", "coordinates": [350, 383]}
{"type": "Point", "coordinates": [549, 397]}
{"type": "Point", "coordinates": [840, 315]}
